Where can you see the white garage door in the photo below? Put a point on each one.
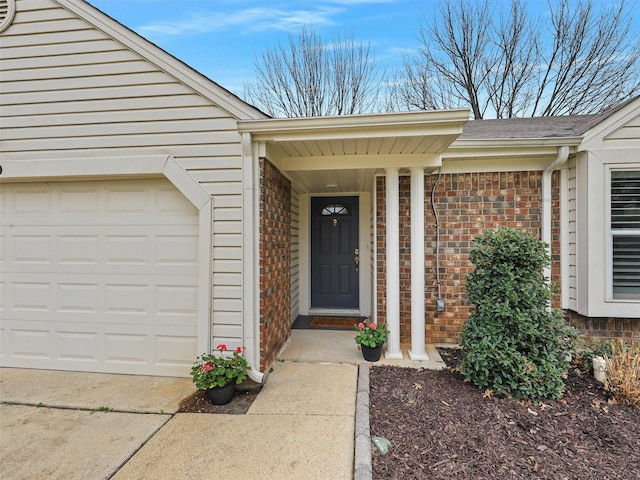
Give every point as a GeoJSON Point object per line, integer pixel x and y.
{"type": "Point", "coordinates": [98, 276]}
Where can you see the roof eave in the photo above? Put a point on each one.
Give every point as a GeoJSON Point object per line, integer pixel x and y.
{"type": "Point", "coordinates": [509, 147]}
{"type": "Point", "coordinates": [446, 122]}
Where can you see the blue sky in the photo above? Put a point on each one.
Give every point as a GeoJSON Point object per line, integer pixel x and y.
{"type": "Point", "coordinates": [221, 38]}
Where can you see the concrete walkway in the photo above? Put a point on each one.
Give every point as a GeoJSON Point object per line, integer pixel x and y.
{"type": "Point", "coordinates": [69, 425]}
{"type": "Point", "coordinates": [301, 425]}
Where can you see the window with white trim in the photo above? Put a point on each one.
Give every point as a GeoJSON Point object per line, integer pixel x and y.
{"type": "Point", "coordinates": [625, 233]}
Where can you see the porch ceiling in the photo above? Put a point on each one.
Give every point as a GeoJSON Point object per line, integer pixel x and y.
{"type": "Point", "coordinates": [331, 154]}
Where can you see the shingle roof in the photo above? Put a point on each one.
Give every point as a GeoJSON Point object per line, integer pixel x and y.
{"type": "Point", "coordinates": [538, 127]}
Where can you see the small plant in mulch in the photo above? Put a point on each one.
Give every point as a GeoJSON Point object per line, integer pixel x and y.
{"type": "Point", "coordinates": [513, 343]}
{"type": "Point", "coordinates": [623, 372]}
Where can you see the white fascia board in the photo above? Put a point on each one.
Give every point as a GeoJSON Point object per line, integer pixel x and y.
{"type": "Point", "coordinates": [465, 156]}
{"type": "Point", "coordinates": [503, 147]}
{"type": "Point", "coordinates": [163, 60]}
{"type": "Point", "coordinates": [357, 126]}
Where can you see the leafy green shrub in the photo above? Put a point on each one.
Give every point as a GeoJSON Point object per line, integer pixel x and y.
{"type": "Point", "coordinates": [513, 343]}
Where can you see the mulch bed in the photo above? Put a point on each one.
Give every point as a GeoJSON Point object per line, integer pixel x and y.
{"type": "Point", "coordinates": [199, 402]}
{"type": "Point", "coordinates": [442, 428]}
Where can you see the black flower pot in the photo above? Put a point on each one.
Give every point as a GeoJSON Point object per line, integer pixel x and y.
{"type": "Point", "coordinates": [371, 354]}
{"type": "Point", "coordinates": [222, 395]}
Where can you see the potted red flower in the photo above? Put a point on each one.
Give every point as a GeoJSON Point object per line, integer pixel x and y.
{"type": "Point", "coordinates": [218, 373]}
{"type": "Point", "coordinates": [371, 337]}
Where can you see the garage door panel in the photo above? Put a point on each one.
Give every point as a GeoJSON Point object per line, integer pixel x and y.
{"type": "Point", "coordinates": [77, 346]}
{"type": "Point", "coordinates": [132, 297]}
{"type": "Point", "coordinates": [116, 203]}
{"type": "Point", "coordinates": [99, 276]}
{"type": "Point", "coordinates": [29, 296]}
{"type": "Point", "coordinates": [117, 253]}
{"type": "Point", "coordinates": [80, 247]}
{"type": "Point", "coordinates": [119, 349]}
{"type": "Point", "coordinates": [171, 351]}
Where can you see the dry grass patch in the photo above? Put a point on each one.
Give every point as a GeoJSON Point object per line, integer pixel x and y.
{"type": "Point", "coordinates": [623, 372]}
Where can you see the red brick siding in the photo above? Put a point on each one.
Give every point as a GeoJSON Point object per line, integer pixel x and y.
{"type": "Point", "coordinates": [605, 328]}
{"type": "Point", "coordinates": [275, 262]}
{"type": "Point", "coordinates": [467, 205]}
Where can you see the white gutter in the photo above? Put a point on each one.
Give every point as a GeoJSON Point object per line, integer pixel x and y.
{"type": "Point", "coordinates": [563, 155]}
{"type": "Point", "coordinates": [250, 268]}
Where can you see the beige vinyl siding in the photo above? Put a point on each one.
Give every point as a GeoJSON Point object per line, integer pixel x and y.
{"type": "Point", "coordinates": [626, 136]}
{"type": "Point", "coordinates": [295, 253]}
{"type": "Point", "coordinates": [71, 91]}
{"type": "Point", "coordinates": [571, 235]}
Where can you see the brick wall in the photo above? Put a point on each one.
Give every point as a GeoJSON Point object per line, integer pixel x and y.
{"type": "Point", "coordinates": [605, 328]}
{"type": "Point", "coordinates": [275, 262]}
{"type": "Point", "coordinates": [467, 205]}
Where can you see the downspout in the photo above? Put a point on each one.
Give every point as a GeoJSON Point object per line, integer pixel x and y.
{"type": "Point", "coordinates": [250, 261]}
{"type": "Point", "coordinates": [561, 158]}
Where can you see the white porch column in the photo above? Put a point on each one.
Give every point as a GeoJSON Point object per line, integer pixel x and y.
{"type": "Point", "coordinates": [417, 351]}
{"type": "Point", "coordinates": [393, 263]}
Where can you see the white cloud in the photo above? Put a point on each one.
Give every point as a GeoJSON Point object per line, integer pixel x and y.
{"type": "Point", "coordinates": [247, 20]}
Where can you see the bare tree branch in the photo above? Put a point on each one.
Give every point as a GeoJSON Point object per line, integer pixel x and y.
{"type": "Point", "coordinates": [311, 77]}
{"type": "Point", "coordinates": [506, 64]}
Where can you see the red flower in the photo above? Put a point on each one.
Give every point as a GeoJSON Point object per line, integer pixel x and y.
{"type": "Point", "coordinates": [206, 367]}
{"type": "Point", "coordinates": [361, 325]}
{"type": "Point", "coordinates": [222, 347]}
{"type": "Point", "coordinates": [373, 326]}
{"type": "Point", "coordinates": [239, 349]}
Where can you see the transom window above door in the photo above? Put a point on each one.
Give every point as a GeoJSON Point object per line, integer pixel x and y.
{"type": "Point", "coordinates": [335, 209]}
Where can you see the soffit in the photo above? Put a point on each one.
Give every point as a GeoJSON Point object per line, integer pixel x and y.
{"type": "Point", "coordinates": [356, 141]}
{"type": "Point", "coordinates": [343, 154]}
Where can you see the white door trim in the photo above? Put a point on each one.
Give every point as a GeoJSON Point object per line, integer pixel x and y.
{"type": "Point", "coordinates": [365, 255]}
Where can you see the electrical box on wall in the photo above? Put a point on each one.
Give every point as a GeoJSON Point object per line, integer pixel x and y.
{"type": "Point", "coordinates": [440, 305]}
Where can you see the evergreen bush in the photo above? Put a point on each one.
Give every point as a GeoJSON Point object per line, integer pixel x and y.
{"type": "Point", "coordinates": [513, 342]}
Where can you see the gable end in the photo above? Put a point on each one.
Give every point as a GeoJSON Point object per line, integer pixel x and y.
{"type": "Point", "coordinates": [7, 13]}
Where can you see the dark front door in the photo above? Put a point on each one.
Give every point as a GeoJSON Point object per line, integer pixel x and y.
{"type": "Point", "coordinates": [334, 252]}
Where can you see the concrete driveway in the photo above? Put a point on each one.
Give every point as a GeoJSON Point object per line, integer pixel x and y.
{"type": "Point", "coordinates": [70, 425]}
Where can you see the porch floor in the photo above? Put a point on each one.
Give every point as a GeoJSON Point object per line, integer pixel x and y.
{"type": "Point", "coordinates": [338, 346]}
